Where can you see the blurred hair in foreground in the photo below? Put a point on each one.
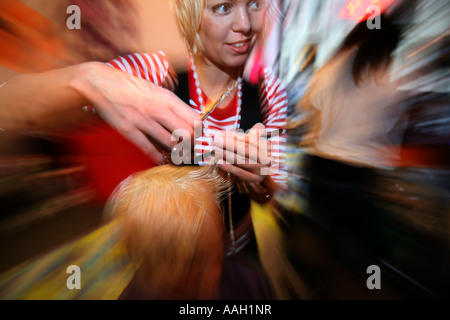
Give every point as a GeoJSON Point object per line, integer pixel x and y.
{"type": "Point", "coordinates": [172, 226]}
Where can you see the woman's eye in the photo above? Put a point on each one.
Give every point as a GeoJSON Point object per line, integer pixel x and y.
{"type": "Point", "coordinates": [223, 8]}
{"type": "Point", "coordinates": [255, 4]}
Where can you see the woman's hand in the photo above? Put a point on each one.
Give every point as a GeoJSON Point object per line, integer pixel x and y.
{"type": "Point", "coordinates": [248, 158]}
{"type": "Point", "coordinates": [142, 112]}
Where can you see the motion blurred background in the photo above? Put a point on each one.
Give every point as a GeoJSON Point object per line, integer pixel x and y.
{"type": "Point", "coordinates": [53, 184]}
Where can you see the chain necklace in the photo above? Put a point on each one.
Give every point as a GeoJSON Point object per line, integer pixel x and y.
{"type": "Point", "coordinates": [235, 127]}
{"type": "Point", "coordinates": [201, 101]}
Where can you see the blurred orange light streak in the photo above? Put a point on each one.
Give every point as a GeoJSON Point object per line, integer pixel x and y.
{"type": "Point", "coordinates": [357, 9]}
{"type": "Point", "coordinates": [28, 39]}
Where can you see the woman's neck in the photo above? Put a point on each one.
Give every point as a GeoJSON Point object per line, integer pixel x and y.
{"type": "Point", "coordinates": [214, 81]}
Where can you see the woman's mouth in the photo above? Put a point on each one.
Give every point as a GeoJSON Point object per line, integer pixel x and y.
{"type": "Point", "coordinates": [240, 47]}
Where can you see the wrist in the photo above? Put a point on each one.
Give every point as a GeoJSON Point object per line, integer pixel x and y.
{"type": "Point", "coordinates": [81, 80]}
{"type": "Point", "coordinates": [260, 192]}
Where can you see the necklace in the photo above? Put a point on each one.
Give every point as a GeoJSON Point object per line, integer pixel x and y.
{"type": "Point", "coordinates": [201, 101]}
{"type": "Point", "coordinates": [235, 127]}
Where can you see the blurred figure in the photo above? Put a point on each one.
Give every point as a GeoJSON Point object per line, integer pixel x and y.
{"type": "Point", "coordinates": [352, 110]}
{"type": "Point", "coordinates": [172, 226]}
{"type": "Point", "coordinates": [352, 105]}
{"type": "Point", "coordinates": [368, 201]}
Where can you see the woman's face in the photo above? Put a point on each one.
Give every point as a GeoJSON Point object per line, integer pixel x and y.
{"type": "Point", "coordinates": [229, 29]}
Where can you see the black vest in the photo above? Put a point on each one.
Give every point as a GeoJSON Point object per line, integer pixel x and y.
{"type": "Point", "coordinates": [251, 110]}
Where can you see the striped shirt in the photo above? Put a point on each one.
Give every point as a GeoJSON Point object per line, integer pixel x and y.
{"type": "Point", "coordinates": [155, 68]}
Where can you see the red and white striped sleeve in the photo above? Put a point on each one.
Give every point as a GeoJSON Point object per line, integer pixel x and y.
{"type": "Point", "coordinates": [153, 67]}
{"type": "Point", "coordinates": [274, 107]}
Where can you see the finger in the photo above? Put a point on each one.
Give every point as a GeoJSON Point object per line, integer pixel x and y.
{"type": "Point", "coordinates": [173, 122]}
{"type": "Point", "coordinates": [257, 130]}
{"type": "Point", "coordinates": [254, 168]}
{"type": "Point", "coordinates": [242, 187]}
{"type": "Point", "coordinates": [262, 132]}
{"type": "Point", "coordinates": [272, 133]}
{"type": "Point", "coordinates": [253, 138]}
{"type": "Point", "coordinates": [184, 111]}
{"type": "Point", "coordinates": [244, 146]}
{"type": "Point", "coordinates": [256, 187]}
{"type": "Point", "coordinates": [256, 150]}
{"type": "Point", "coordinates": [240, 162]}
{"type": "Point", "coordinates": [153, 129]}
{"type": "Point", "coordinates": [178, 115]}
{"type": "Point", "coordinates": [243, 175]}
{"type": "Point", "coordinates": [244, 162]}
{"type": "Point", "coordinates": [255, 141]}
{"type": "Point", "coordinates": [141, 141]}
{"type": "Point", "coordinates": [165, 108]}
{"type": "Point", "coordinates": [159, 134]}
{"type": "Point", "coordinates": [230, 157]}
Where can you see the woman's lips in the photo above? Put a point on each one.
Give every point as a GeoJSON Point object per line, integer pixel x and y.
{"type": "Point", "coordinates": [241, 47]}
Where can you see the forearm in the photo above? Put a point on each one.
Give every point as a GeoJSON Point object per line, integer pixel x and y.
{"type": "Point", "coordinates": [38, 101]}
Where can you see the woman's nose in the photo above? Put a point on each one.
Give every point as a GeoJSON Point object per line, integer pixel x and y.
{"type": "Point", "coordinates": [242, 21]}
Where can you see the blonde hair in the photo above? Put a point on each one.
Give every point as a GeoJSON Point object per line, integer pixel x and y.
{"type": "Point", "coordinates": [161, 212]}
{"type": "Point", "coordinates": [189, 14]}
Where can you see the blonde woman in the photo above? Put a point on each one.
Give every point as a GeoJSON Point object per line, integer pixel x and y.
{"type": "Point", "coordinates": [220, 36]}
